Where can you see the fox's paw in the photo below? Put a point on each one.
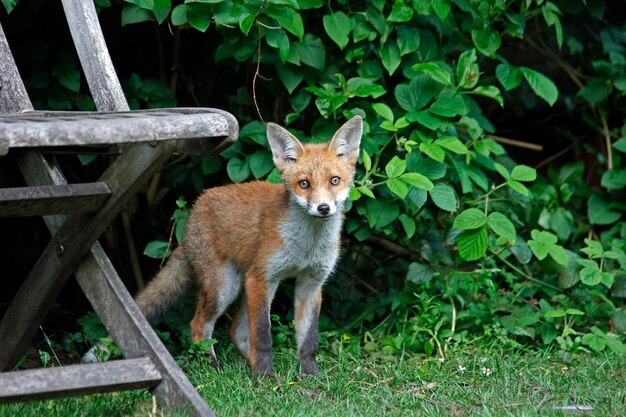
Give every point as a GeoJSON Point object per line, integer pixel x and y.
{"type": "Point", "coordinates": [262, 372]}
{"type": "Point", "coordinates": [308, 367]}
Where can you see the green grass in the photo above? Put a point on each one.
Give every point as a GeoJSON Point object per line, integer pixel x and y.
{"type": "Point", "coordinates": [520, 384]}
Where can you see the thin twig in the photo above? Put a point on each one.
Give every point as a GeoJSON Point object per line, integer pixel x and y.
{"type": "Point", "coordinates": [132, 250]}
{"type": "Point", "coordinates": [508, 141]}
{"type": "Point", "coordinates": [522, 273]}
{"type": "Point", "coordinates": [393, 247]}
{"type": "Point", "coordinates": [169, 244]}
{"type": "Point", "coordinates": [555, 156]}
{"type": "Point", "coordinates": [607, 138]}
{"type": "Point", "coordinates": [258, 61]}
{"type": "Point", "coordinates": [569, 70]}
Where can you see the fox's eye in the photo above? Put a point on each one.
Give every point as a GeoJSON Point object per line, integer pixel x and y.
{"type": "Point", "coordinates": [335, 180]}
{"type": "Point", "coordinates": [304, 184]}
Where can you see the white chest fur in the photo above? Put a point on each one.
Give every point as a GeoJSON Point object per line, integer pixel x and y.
{"type": "Point", "coordinates": [310, 246]}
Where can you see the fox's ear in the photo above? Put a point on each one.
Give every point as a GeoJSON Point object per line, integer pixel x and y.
{"type": "Point", "coordinates": [286, 148]}
{"type": "Point", "coordinates": [345, 143]}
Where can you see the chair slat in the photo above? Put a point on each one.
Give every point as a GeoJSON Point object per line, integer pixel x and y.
{"type": "Point", "coordinates": [38, 384]}
{"type": "Point", "coordinates": [43, 129]}
{"type": "Point", "coordinates": [52, 199]}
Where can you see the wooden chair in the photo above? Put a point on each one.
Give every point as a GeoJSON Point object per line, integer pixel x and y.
{"type": "Point", "coordinates": [77, 214]}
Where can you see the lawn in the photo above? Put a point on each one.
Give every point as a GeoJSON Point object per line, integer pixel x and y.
{"type": "Point", "coordinates": [471, 381]}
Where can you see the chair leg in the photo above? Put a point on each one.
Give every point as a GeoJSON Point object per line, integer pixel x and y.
{"type": "Point", "coordinates": [132, 332]}
{"type": "Point", "coordinates": [68, 246]}
{"type": "Point", "coordinates": [115, 307]}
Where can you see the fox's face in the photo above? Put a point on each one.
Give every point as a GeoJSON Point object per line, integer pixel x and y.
{"type": "Point", "coordinates": [318, 176]}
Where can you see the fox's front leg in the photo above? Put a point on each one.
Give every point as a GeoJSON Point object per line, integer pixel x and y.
{"type": "Point", "coordinates": [308, 300]}
{"type": "Point", "coordinates": [259, 294]}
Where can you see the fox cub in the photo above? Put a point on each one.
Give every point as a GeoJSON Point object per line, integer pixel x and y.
{"type": "Point", "coordinates": [251, 236]}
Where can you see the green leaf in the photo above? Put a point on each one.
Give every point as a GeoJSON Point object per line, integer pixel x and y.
{"type": "Point", "coordinates": [157, 249]}
{"type": "Point", "coordinates": [245, 22]}
{"type": "Point", "coordinates": [337, 26]}
{"type": "Point", "coordinates": [426, 119]}
{"type": "Point", "coordinates": [486, 41]}
{"type": "Point", "coordinates": [519, 187]}
{"type": "Point", "coordinates": [417, 181]}
{"type": "Point", "coordinates": [434, 71]}
{"type": "Point", "coordinates": [472, 243]}
{"type": "Point", "coordinates": [199, 16]}
{"type": "Point", "coordinates": [489, 91]}
{"type": "Point", "coordinates": [312, 51]}
{"type": "Point", "coordinates": [238, 170]}
{"type": "Point", "coordinates": [595, 342]}
{"type": "Point", "coordinates": [557, 252]}
{"type": "Point", "coordinates": [395, 167]}
{"type": "Point", "coordinates": [540, 250]}
{"type": "Point", "coordinates": [620, 144]}
{"type": "Point", "coordinates": [523, 173]}
{"type": "Point", "coordinates": [415, 95]}
{"type": "Point", "coordinates": [384, 111]}
{"type": "Point", "coordinates": [468, 219]}
{"type": "Point", "coordinates": [66, 73]}
{"type": "Point", "coordinates": [408, 224]}
{"type": "Point", "coordinates": [289, 76]}
{"type": "Point", "coordinates": [541, 85]}
{"type": "Point", "coordinates": [600, 212]}
{"type": "Point", "coordinates": [419, 273]}
{"type": "Point", "coordinates": [366, 191]}
{"type": "Point", "coordinates": [397, 187]}
{"type": "Point", "coordinates": [596, 91]}
{"type": "Point", "coordinates": [9, 5]}
{"type": "Point", "coordinates": [510, 77]}
{"type": "Point", "coordinates": [287, 18]}
{"type": "Point", "coordinates": [444, 197]}
{"type": "Point", "coordinates": [390, 56]}
{"type": "Point", "coordinates": [449, 106]}
{"type": "Point", "coordinates": [179, 15]}
{"type": "Point", "coordinates": [400, 12]}
{"type": "Point", "coordinates": [467, 71]}
{"type": "Point", "coordinates": [408, 39]}
{"type": "Point", "coordinates": [614, 179]}
{"type": "Point", "coordinates": [452, 143]}
{"type": "Point", "coordinates": [441, 8]}
{"type": "Point", "coordinates": [367, 160]}
{"type": "Point", "coordinates": [277, 38]}
{"type": "Point", "coordinates": [261, 163]}
{"type": "Point", "coordinates": [161, 9]}
{"type": "Point", "coordinates": [436, 152]}
{"type": "Point", "coordinates": [503, 171]}
{"type": "Point", "coordinates": [431, 169]}
{"type": "Point", "coordinates": [502, 226]}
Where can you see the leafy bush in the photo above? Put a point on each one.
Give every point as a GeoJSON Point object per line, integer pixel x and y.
{"type": "Point", "coordinates": [447, 235]}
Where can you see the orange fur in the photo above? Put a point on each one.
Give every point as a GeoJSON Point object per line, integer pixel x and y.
{"type": "Point", "coordinates": [256, 234]}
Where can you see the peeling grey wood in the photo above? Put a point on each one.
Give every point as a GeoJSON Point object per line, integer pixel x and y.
{"type": "Point", "coordinates": [94, 56]}
{"type": "Point", "coordinates": [132, 332]}
{"type": "Point", "coordinates": [36, 384]}
{"type": "Point", "coordinates": [13, 96]}
{"type": "Point", "coordinates": [39, 170]}
{"type": "Point", "coordinates": [68, 246]}
{"type": "Point", "coordinates": [37, 129]}
{"type": "Point", "coordinates": [115, 306]}
{"type": "Point", "coordinates": [52, 199]}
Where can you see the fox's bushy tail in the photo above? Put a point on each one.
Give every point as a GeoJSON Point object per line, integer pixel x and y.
{"type": "Point", "coordinates": [165, 288]}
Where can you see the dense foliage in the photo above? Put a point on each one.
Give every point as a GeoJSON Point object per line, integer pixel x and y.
{"type": "Point", "coordinates": [447, 236]}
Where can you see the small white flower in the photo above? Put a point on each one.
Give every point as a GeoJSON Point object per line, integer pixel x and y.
{"type": "Point", "coordinates": [461, 369]}
{"type": "Point", "coordinates": [486, 371]}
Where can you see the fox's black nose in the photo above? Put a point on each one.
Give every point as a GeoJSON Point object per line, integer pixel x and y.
{"type": "Point", "coordinates": [323, 209]}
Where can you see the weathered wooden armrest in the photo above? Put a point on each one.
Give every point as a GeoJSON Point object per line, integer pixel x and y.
{"type": "Point", "coordinates": [190, 127]}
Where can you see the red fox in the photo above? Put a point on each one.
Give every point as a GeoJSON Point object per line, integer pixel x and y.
{"type": "Point", "coordinates": [252, 236]}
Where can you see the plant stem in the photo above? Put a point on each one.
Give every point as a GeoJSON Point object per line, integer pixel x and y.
{"type": "Point", "coordinates": [522, 273]}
